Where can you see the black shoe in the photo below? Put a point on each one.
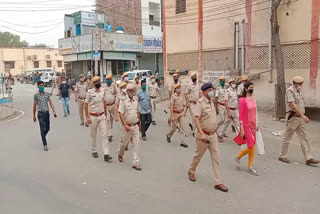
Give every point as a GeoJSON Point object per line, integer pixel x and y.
{"type": "Point", "coordinates": [191, 127]}
{"type": "Point", "coordinates": [95, 154]}
{"type": "Point", "coordinates": [110, 138]}
{"type": "Point", "coordinates": [168, 139]}
{"type": "Point", "coordinates": [233, 128]}
{"type": "Point", "coordinates": [45, 148]}
{"type": "Point", "coordinates": [65, 115]}
{"type": "Point", "coordinates": [107, 158]}
{"type": "Point", "coordinates": [68, 112]}
{"type": "Point", "coordinates": [184, 145]}
{"type": "Point", "coordinates": [154, 123]}
{"type": "Point", "coordinates": [126, 149]}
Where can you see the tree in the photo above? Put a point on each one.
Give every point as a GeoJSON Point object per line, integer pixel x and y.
{"type": "Point", "coordinates": [11, 40]}
{"type": "Point", "coordinates": [281, 87]}
{"type": "Point", "coordinates": [40, 45]}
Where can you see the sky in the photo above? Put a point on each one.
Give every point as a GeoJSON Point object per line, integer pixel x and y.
{"type": "Point", "coordinates": [39, 21]}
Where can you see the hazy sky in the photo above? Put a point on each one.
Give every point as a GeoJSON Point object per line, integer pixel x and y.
{"type": "Point", "coordinates": [39, 21]}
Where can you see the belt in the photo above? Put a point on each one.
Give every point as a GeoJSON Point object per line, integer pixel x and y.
{"type": "Point", "coordinates": [221, 103]}
{"type": "Point", "coordinates": [194, 102]}
{"type": "Point", "coordinates": [96, 115]}
{"type": "Point", "coordinates": [231, 108]}
{"type": "Point", "coordinates": [178, 112]}
{"type": "Point", "coordinates": [81, 98]}
{"type": "Point", "coordinates": [296, 115]}
{"type": "Point", "coordinates": [110, 104]}
{"type": "Point", "coordinates": [207, 133]}
{"type": "Point", "coordinates": [133, 124]}
{"type": "Point", "coordinates": [153, 97]}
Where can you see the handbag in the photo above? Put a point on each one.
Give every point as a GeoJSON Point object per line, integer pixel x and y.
{"type": "Point", "coordinates": [259, 143]}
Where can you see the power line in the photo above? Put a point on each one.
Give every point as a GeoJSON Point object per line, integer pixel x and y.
{"type": "Point", "coordinates": [32, 32]}
{"type": "Point", "coordinates": [30, 26]}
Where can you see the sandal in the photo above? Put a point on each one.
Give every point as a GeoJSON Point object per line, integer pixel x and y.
{"type": "Point", "coordinates": [120, 158]}
{"type": "Point", "coordinates": [192, 177]}
{"type": "Point", "coordinates": [253, 171]}
{"type": "Point", "coordinates": [137, 167]}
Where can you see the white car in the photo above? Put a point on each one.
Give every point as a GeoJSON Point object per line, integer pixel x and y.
{"type": "Point", "coordinates": [140, 73]}
{"type": "Point", "coordinates": [47, 78]}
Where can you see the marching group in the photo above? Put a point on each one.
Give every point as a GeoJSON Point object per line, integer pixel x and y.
{"type": "Point", "coordinates": [212, 112]}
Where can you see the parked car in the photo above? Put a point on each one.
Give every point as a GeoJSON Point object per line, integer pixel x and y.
{"type": "Point", "coordinates": [140, 73]}
{"type": "Point", "coordinates": [48, 78]}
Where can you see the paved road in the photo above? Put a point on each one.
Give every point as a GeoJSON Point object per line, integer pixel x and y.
{"type": "Point", "coordinates": [68, 180]}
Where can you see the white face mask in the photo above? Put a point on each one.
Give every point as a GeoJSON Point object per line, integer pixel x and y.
{"type": "Point", "coordinates": [64, 82]}
{"type": "Point", "coordinates": [124, 90]}
{"type": "Point", "coordinates": [210, 94]}
{"type": "Point", "coordinates": [126, 78]}
{"type": "Point", "coordinates": [233, 85]}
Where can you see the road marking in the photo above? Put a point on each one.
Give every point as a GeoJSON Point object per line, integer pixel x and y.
{"type": "Point", "coordinates": [22, 113]}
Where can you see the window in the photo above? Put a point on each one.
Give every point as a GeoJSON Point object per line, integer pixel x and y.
{"type": "Point", "coordinates": [59, 64]}
{"type": "Point", "coordinates": [36, 64]}
{"type": "Point", "coordinates": [49, 64]}
{"type": "Point", "coordinates": [9, 65]}
{"type": "Point", "coordinates": [180, 6]}
{"type": "Point", "coordinates": [154, 14]}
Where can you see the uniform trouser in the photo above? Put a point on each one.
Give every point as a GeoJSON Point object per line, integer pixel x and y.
{"type": "Point", "coordinates": [251, 155]}
{"type": "Point", "coordinates": [133, 137]}
{"type": "Point", "coordinates": [101, 123]}
{"type": "Point", "coordinates": [65, 103]}
{"type": "Point", "coordinates": [110, 112]}
{"type": "Point", "coordinates": [226, 124]}
{"type": "Point", "coordinates": [296, 124]}
{"type": "Point", "coordinates": [192, 109]}
{"type": "Point", "coordinates": [213, 148]}
{"type": "Point", "coordinates": [53, 87]}
{"type": "Point", "coordinates": [179, 120]}
{"type": "Point", "coordinates": [81, 109]}
{"type": "Point", "coordinates": [146, 120]}
{"type": "Point", "coordinates": [44, 122]}
{"type": "Point", "coordinates": [154, 104]}
{"type": "Point", "coordinates": [222, 117]}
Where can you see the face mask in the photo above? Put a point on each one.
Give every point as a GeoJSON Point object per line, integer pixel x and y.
{"type": "Point", "coordinates": [233, 85]}
{"type": "Point", "coordinates": [64, 82]}
{"type": "Point", "coordinates": [250, 91]}
{"type": "Point", "coordinates": [124, 90]}
{"type": "Point", "coordinates": [153, 80]}
{"type": "Point", "coordinates": [81, 80]}
{"type": "Point", "coordinates": [109, 82]}
{"type": "Point", "coordinates": [222, 84]}
{"type": "Point", "coordinates": [98, 85]}
{"type": "Point", "coordinates": [178, 90]}
{"type": "Point", "coordinates": [126, 78]}
{"type": "Point", "coordinates": [176, 80]}
{"type": "Point", "coordinates": [194, 80]}
{"type": "Point", "coordinates": [41, 88]}
{"type": "Point", "coordinates": [210, 94]}
{"type": "Point", "coordinates": [144, 87]}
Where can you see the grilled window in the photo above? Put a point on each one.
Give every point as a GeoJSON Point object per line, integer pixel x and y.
{"type": "Point", "coordinates": [180, 6]}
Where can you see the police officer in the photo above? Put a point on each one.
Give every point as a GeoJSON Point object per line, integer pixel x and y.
{"type": "Point", "coordinates": [221, 103]}
{"type": "Point", "coordinates": [129, 111]}
{"type": "Point", "coordinates": [153, 89]}
{"type": "Point", "coordinates": [89, 81]}
{"type": "Point", "coordinates": [244, 79]}
{"type": "Point", "coordinates": [96, 117]}
{"type": "Point", "coordinates": [177, 113]}
{"type": "Point", "coordinates": [124, 78]}
{"type": "Point", "coordinates": [120, 96]}
{"type": "Point", "coordinates": [233, 111]}
{"type": "Point", "coordinates": [137, 84]}
{"type": "Point", "coordinates": [206, 138]}
{"type": "Point", "coordinates": [193, 94]}
{"type": "Point", "coordinates": [80, 94]}
{"type": "Point", "coordinates": [296, 121]}
{"type": "Point", "coordinates": [171, 86]}
{"type": "Point", "coordinates": [110, 93]}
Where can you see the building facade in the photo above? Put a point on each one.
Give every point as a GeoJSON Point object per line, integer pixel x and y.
{"type": "Point", "coordinates": [215, 37]}
{"type": "Point", "coordinates": [17, 60]}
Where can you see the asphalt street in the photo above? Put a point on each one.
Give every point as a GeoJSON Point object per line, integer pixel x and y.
{"type": "Point", "coordinates": [66, 179]}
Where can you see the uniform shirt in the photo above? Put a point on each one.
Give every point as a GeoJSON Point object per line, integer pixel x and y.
{"type": "Point", "coordinates": [240, 88]}
{"type": "Point", "coordinates": [193, 90]}
{"type": "Point", "coordinates": [95, 100]}
{"type": "Point", "coordinates": [42, 100]}
{"type": "Point", "coordinates": [90, 84]}
{"type": "Point", "coordinates": [293, 95]}
{"type": "Point", "coordinates": [221, 94]}
{"type": "Point", "coordinates": [110, 93]}
{"type": "Point", "coordinates": [130, 109]}
{"type": "Point", "coordinates": [144, 101]}
{"type": "Point", "coordinates": [137, 87]}
{"type": "Point", "coordinates": [177, 102]}
{"type": "Point", "coordinates": [120, 97]}
{"type": "Point", "coordinates": [153, 88]}
{"type": "Point", "coordinates": [206, 111]}
{"type": "Point", "coordinates": [82, 89]}
{"type": "Point", "coordinates": [64, 90]}
{"type": "Point", "coordinates": [232, 98]}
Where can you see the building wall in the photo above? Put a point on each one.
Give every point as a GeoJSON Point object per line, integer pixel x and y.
{"type": "Point", "coordinates": [22, 61]}
{"type": "Point", "coordinates": [148, 61]}
{"type": "Point", "coordinates": [147, 29]}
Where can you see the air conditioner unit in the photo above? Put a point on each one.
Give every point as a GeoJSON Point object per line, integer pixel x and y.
{"type": "Point", "coordinates": [48, 56]}
{"type": "Point", "coordinates": [29, 57]}
{"type": "Point", "coordinates": [34, 57]}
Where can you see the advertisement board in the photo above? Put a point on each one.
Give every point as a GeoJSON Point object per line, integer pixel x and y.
{"type": "Point", "coordinates": [152, 45]}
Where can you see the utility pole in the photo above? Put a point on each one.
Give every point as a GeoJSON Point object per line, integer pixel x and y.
{"type": "Point", "coordinates": [96, 62]}
{"type": "Point", "coordinates": [281, 88]}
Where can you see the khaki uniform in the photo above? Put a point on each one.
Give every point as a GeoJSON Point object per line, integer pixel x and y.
{"type": "Point", "coordinates": [82, 90]}
{"type": "Point", "coordinates": [193, 91]}
{"type": "Point", "coordinates": [90, 84]}
{"type": "Point", "coordinates": [153, 90]}
{"type": "Point", "coordinates": [95, 102]}
{"type": "Point", "coordinates": [130, 109]}
{"type": "Point", "coordinates": [178, 115]}
{"type": "Point", "coordinates": [205, 110]}
{"type": "Point", "coordinates": [110, 94]}
{"type": "Point", "coordinates": [296, 124]}
{"type": "Point", "coordinates": [222, 95]}
{"type": "Point", "coordinates": [233, 105]}
{"type": "Point", "coordinates": [240, 88]}
{"type": "Point", "coordinates": [137, 87]}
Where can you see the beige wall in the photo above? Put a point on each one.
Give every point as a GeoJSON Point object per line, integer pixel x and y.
{"type": "Point", "coordinates": [20, 57]}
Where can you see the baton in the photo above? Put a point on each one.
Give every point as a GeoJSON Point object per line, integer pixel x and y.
{"type": "Point", "coordinates": [165, 111]}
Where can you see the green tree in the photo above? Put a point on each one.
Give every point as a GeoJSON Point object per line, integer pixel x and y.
{"type": "Point", "coordinates": [40, 45]}
{"type": "Point", "coordinates": [11, 40]}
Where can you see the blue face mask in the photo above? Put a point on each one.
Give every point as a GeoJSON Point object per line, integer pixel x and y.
{"type": "Point", "coordinates": [144, 87]}
{"type": "Point", "coordinates": [41, 88]}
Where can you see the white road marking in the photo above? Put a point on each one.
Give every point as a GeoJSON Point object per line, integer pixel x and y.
{"type": "Point", "coordinates": [22, 113]}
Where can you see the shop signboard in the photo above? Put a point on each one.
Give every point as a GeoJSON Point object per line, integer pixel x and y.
{"type": "Point", "coordinates": [152, 45]}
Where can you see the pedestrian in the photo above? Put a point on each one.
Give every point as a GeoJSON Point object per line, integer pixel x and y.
{"type": "Point", "coordinates": [175, 81]}
{"type": "Point", "coordinates": [89, 81]}
{"type": "Point", "coordinates": [244, 79]}
{"type": "Point", "coordinates": [96, 117]}
{"type": "Point", "coordinates": [80, 94]}
{"type": "Point", "coordinates": [177, 113]}
{"type": "Point", "coordinates": [129, 111]}
{"type": "Point", "coordinates": [137, 85]}
{"type": "Point", "coordinates": [153, 89]}
{"type": "Point", "coordinates": [110, 94]}
{"type": "Point", "coordinates": [144, 100]}
{"type": "Point", "coordinates": [296, 121]}
{"type": "Point", "coordinates": [54, 84]}
{"type": "Point", "coordinates": [125, 78]}
{"type": "Point", "coordinates": [232, 112]}
{"type": "Point", "coordinates": [120, 96]}
{"type": "Point", "coordinates": [64, 96]}
{"type": "Point", "coordinates": [221, 105]}
{"type": "Point", "coordinates": [206, 138]}
{"type": "Point", "coordinates": [40, 104]}
{"type": "Point", "coordinates": [192, 95]}
{"type": "Point", "coordinates": [248, 125]}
